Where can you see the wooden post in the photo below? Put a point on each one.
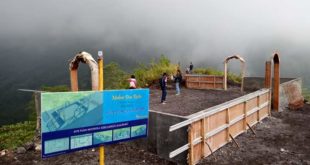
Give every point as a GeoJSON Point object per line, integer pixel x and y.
{"type": "Point", "coordinates": [228, 122]}
{"type": "Point", "coordinates": [269, 102]}
{"type": "Point", "coordinates": [191, 145]}
{"type": "Point", "coordinates": [37, 103]}
{"type": "Point", "coordinates": [276, 82]}
{"type": "Point", "coordinates": [214, 82]}
{"type": "Point", "coordinates": [74, 80]}
{"type": "Point", "coordinates": [242, 75]}
{"type": "Point", "coordinates": [225, 75]}
{"type": "Point", "coordinates": [258, 105]}
{"type": "Point", "coordinates": [203, 135]}
{"type": "Point", "coordinates": [268, 74]}
{"type": "Point", "coordinates": [245, 115]}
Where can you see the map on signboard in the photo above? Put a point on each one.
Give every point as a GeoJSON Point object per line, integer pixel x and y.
{"type": "Point", "coordinates": [67, 110]}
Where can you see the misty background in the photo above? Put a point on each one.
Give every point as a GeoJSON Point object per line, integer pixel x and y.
{"type": "Point", "coordinates": [37, 38]}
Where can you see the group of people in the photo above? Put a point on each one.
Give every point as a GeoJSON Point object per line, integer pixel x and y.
{"type": "Point", "coordinates": [163, 82]}
{"type": "Point", "coordinates": [163, 85]}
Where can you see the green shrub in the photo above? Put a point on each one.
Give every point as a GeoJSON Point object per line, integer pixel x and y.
{"type": "Point", "coordinates": [15, 135]}
{"type": "Point", "coordinates": [115, 77]}
{"type": "Point", "coordinates": [147, 74]}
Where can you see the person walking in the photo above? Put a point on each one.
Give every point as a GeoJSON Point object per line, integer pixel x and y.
{"type": "Point", "coordinates": [132, 82]}
{"type": "Point", "coordinates": [163, 86]}
{"type": "Point", "coordinates": [178, 80]}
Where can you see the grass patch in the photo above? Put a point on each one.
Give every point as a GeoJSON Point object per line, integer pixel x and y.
{"type": "Point", "coordinates": [306, 93]}
{"type": "Point", "coordinates": [15, 135]}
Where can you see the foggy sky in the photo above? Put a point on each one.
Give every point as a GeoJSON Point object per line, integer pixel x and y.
{"type": "Point", "coordinates": [204, 32]}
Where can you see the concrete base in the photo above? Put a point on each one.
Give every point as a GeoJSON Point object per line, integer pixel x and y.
{"type": "Point", "coordinates": [160, 141]}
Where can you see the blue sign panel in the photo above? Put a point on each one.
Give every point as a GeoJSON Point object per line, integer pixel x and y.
{"type": "Point", "coordinates": [73, 121]}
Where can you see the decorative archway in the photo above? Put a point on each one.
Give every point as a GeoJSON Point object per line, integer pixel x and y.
{"type": "Point", "coordinates": [276, 79]}
{"type": "Point", "coordinates": [83, 57]}
{"type": "Point", "coordinates": [238, 57]}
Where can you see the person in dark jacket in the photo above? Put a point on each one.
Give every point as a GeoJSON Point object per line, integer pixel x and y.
{"type": "Point", "coordinates": [191, 67]}
{"type": "Point", "coordinates": [163, 86]}
{"type": "Point", "coordinates": [178, 80]}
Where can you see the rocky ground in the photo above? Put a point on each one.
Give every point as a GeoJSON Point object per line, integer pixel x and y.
{"type": "Point", "coordinates": [114, 155]}
{"type": "Point", "coordinates": [191, 101]}
{"type": "Point", "coordinates": [283, 138]}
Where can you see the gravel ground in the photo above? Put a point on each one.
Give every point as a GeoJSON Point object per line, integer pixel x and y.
{"type": "Point", "coordinates": [190, 100]}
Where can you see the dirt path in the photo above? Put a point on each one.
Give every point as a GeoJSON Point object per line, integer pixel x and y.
{"type": "Point", "coordinates": [283, 138]}
{"type": "Point", "coordinates": [191, 101]}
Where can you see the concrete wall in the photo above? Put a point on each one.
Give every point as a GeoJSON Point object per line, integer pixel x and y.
{"type": "Point", "coordinates": [160, 141]}
{"type": "Point", "coordinates": [255, 83]}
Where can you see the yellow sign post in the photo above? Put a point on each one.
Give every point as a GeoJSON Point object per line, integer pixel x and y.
{"type": "Point", "coordinates": [101, 87]}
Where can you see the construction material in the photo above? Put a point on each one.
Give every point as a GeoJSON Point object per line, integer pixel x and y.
{"type": "Point", "coordinates": [276, 82]}
{"type": "Point", "coordinates": [242, 70]}
{"type": "Point", "coordinates": [204, 81]}
{"type": "Point", "coordinates": [291, 94]}
{"type": "Point", "coordinates": [222, 123]}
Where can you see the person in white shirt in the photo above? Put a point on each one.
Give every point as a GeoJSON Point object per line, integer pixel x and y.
{"type": "Point", "coordinates": [132, 82]}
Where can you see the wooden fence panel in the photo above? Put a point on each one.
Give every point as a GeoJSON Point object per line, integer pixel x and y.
{"type": "Point", "coordinates": [204, 81]}
{"type": "Point", "coordinates": [213, 130]}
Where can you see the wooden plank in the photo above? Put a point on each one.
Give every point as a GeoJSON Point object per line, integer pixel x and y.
{"type": "Point", "coordinates": [196, 130]}
{"type": "Point", "coordinates": [191, 145]}
{"type": "Point", "coordinates": [258, 105]}
{"type": "Point", "coordinates": [217, 120]}
{"type": "Point", "coordinates": [263, 112]}
{"type": "Point", "coordinates": [203, 133]}
{"type": "Point", "coordinates": [263, 98]}
{"type": "Point", "coordinates": [269, 100]}
{"type": "Point", "coordinates": [252, 103]}
{"type": "Point", "coordinates": [234, 140]}
{"type": "Point", "coordinates": [236, 111]}
{"type": "Point", "coordinates": [218, 140]}
{"type": "Point", "coordinates": [245, 116]}
{"type": "Point", "coordinates": [237, 128]}
{"type": "Point", "coordinates": [251, 119]}
{"type": "Point", "coordinates": [228, 122]}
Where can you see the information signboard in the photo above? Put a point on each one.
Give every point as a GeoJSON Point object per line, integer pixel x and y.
{"type": "Point", "coordinates": [74, 121]}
